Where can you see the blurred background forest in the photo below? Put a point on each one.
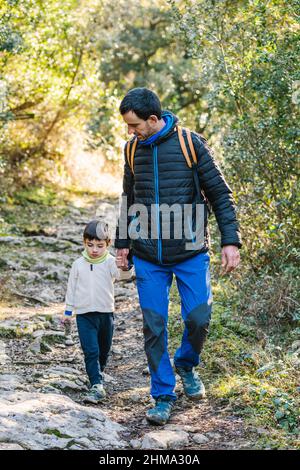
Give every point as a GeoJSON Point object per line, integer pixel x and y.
{"type": "Point", "coordinates": [229, 70]}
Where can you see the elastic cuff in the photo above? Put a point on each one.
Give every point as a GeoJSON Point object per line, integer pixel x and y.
{"type": "Point", "coordinates": [239, 245]}
{"type": "Point", "coordinates": [121, 243]}
{"type": "Point", "coordinates": [68, 313]}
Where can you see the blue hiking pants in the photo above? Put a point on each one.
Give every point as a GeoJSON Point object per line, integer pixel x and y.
{"type": "Point", "coordinates": [153, 284]}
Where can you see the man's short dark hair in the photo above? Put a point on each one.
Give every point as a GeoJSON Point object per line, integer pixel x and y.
{"type": "Point", "coordinates": [142, 102]}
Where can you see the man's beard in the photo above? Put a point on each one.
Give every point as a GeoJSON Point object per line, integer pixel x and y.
{"type": "Point", "coordinates": [140, 137]}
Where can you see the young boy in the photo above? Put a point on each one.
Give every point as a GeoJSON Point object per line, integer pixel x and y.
{"type": "Point", "coordinates": [90, 293]}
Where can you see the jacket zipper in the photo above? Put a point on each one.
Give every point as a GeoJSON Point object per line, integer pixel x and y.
{"type": "Point", "coordinates": [92, 285]}
{"type": "Point", "coordinates": [159, 244]}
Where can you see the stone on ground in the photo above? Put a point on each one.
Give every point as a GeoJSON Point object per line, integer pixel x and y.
{"type": "Point", "coordinates": [165, 440]}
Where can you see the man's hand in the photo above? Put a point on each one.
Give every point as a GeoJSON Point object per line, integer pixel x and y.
{"type": "Point", "coordinates": [230, 258]}
{"type": "Point", "coordinates": [122, 260]}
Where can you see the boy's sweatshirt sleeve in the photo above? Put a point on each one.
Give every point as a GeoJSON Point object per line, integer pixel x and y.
{"type": "Point", "coordinates": [70, 295]}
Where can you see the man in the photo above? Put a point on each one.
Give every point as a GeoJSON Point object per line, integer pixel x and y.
{"type": "Point", "coordinates": [157, 174]}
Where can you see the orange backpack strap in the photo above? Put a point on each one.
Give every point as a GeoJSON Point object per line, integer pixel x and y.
{"type": "Point", "coordinates": [191, 145]}
{"type": "Point", "coordinates": [131, 146]}
{"type": "Point", "coordinates": [191, 164]}
{"type": "Point", "coordinates": [130, 151]}
{"type": "Point", "coordinates": [184, 148]}
{"type": "Point", "coordinates": [127, 148]}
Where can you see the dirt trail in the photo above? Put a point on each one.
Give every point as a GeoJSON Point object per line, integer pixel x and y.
{"type": "Point", "coordinates": [35, 361]}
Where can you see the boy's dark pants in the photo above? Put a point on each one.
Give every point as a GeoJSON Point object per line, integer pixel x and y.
{"type": "Point", "coordinates": [95, 331]}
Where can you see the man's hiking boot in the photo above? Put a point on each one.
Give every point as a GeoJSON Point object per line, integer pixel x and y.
{"type": "Point", "coordinates": [96, 394]}
{"type": "Point", "coordinates": [160, 414]}
{"type": "Point", "coordinates": [192, 384]}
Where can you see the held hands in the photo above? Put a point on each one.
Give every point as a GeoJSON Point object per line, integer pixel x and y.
{"type": "Point", "coordinates": [66, 318]}
{"type": "Point", "coordinates": [66, 321]}
{"type": "Point", "coordinates": [121, 258]}
{"type": "Point", "coordinates": [230, 258]}
{"type": "Point", "coordinates": [67, 324]}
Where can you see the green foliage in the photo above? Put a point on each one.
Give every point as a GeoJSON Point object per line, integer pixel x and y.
{"type": "Point", "coordinates": [253, 374]}
{"type": "Point", "coordinates": [29, 211]}
{"type": "Point", "coordinates": [40, 195]}
{"type": "Point", "coordinates": [46, 82]}
{"type": "Point", "coordinates": [57, 433]}
{"type": "Point", "coordinates": [271, 297]}
{"type": "Point", "coordinates": [286, 412]}
{"type": "Point", "coordinates": [231, 71]}
{"type": "Point", "coordinates": [251, 50]}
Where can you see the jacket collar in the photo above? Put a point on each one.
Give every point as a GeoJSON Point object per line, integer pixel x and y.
{"type": "Point", "coordinates": [171, 121]}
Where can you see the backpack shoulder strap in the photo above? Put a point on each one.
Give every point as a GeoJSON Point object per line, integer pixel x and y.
{"type": "Point", "coordinates": [190, 145]}
{"type": "Point", "coordinates": [130, 151]}
{"type": "Point", "coordinates": [131, 146]}
{"type": "Point", "coordinates": [191, 164]}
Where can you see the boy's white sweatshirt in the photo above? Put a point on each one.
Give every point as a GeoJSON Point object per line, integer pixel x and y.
{"type": "Point", "coordinates": [91, 286]}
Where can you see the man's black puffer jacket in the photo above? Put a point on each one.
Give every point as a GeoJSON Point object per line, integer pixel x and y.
{"type": "Point", "coordinates": [162, 176]}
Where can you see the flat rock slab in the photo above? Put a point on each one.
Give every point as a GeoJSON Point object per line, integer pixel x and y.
{"type": "Point", "coordinates": [10, 446]}
{"type": "Point", "coordinates": [49, 421]}
{"type": "Point", "coordinates": [63, 371]}
{"type": "Point", "coordinates": [10, 382]}
{"type": "Point", "coordinates": [4, 358]}
{"type": "Point", "coordinates": [66, 385]}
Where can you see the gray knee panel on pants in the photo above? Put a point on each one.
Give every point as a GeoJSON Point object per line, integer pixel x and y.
{"type": "Point", "coordinates": [153, 327]}
{"type": "Point", "coordinates": [197, 324]}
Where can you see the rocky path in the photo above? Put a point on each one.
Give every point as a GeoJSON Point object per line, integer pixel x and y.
{"type": "Point", "coordinates": [42, 377]}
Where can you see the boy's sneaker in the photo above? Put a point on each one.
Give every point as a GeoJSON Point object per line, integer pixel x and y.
{"type": "Point", "coordinates": [192, 384]}
{"type": "Point", "coordinates": [160, 414]}
{"type": "Point", "coordinates": [69, 341]}
{"type": "Point", "coordinates": [96, 394]}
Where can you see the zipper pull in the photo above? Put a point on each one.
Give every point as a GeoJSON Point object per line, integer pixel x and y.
{"type": "Point", "coordinates": [91, 267]}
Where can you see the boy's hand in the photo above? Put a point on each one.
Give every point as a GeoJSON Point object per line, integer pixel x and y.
{"type": "Point", "coordinates": [65, 321]}
{"type": "Point", "coordinates": [67, 318]}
